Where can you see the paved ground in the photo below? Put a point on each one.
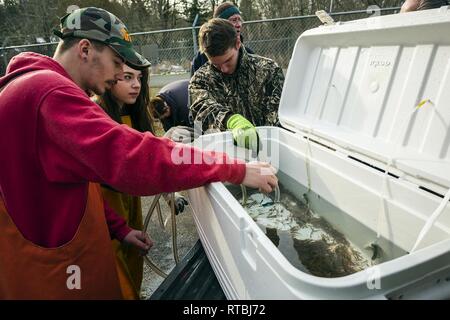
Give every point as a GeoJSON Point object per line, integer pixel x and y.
{"type": "Point", "coordinates": [161, 253]}
{"type": "Point", "coordinates": [160, 80]}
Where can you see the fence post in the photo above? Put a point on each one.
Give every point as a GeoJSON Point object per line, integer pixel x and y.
{"type": "Point", "coordinates": [194, 35]}
{"type": "Point", "coordinates": [4, 53]}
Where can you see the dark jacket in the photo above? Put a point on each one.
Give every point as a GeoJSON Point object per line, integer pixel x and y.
{"type": "Point", "coordinates": [176, 96]}
{"type": "Point", "coordinates": [200, 59]}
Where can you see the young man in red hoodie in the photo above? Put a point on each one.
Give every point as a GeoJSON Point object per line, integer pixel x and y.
{"type": "Point", "coordinates": [57, 145]}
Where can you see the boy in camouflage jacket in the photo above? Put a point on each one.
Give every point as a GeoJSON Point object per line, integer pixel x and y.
{"type": "Point", "coordinates": [235, 90]}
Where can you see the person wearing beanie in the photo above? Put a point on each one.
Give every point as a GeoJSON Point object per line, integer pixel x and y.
{"type": "Point", "coordinates": [230, 12]}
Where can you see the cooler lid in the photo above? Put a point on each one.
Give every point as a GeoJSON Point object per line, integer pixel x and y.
{"type": "Point", "coordinates": [378, 86]}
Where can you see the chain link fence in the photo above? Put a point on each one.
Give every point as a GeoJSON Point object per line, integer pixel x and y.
{"type": "Point", "coordinates": [171, 51]}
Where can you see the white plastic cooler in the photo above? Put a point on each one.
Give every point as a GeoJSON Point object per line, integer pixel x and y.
{"type": "Point", "coordinates": [360, 98]}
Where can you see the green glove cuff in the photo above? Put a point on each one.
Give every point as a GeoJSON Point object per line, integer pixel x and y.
{"type": "Point", "coordinates": [243, 131]}
{"type": "Point", "coordinates": [236, 121]}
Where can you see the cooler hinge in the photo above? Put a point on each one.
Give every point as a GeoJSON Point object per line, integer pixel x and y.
{"type": "Point", "coordinates": [381, 165]}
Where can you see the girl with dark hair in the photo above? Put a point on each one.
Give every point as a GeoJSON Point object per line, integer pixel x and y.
{"type": "Point", "coordinates": [127, 103]}
{"type": "Point", "coordinates": [128, 99]}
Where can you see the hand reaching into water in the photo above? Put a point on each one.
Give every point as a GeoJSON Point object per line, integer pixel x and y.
{"type": "Point", "coordinates": [260, 175]}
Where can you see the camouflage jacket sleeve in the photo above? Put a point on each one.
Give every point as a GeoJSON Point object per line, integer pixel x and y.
{"type": "Point", "coordinates": [271, 101]}
{"type": "Point", "coordinates": [205, 104]}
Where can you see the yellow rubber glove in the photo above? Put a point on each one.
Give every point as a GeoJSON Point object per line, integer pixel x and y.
{"type": "Point", "coordinates": [244, 132]}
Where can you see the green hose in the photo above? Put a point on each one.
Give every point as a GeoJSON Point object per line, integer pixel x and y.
{"type": "Point", "coordinates": [153, 206]}
{"type": "Point", "coordinates": [149, 262]}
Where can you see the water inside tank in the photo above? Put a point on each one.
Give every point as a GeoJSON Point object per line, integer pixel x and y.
{"type": "Point", "coordinates": [315, 236]}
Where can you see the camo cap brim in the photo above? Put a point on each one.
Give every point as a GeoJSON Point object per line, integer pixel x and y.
{"type": "Point", "coordinates": [131, 57]}
{"type": "Point", "coordinates": [101, 25]}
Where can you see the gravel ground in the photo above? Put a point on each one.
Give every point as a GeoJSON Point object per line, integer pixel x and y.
{"type": "Point", "coordinates": [161, 253]}
{"type": "Point", "coordinates": [160, 80]}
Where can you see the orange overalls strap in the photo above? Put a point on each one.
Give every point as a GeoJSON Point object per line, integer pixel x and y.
{"type": "Point", "coordinates": [83, 268]}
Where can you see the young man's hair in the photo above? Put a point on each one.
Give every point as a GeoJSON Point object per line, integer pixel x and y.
{"type": "Point", "coordinates": [222, 7]}
{"type": "Point", "coordinates": [216, 37]}
{"type": "Point", "coordinates": [68, 43]}
{"type": "Point", "coordinates": [431, 4]}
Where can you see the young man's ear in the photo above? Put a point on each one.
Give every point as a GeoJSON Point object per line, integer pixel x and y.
{"type": "Point", "coordinates": [83, 49]}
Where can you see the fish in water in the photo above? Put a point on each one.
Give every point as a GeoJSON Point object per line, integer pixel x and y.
{"type": "Point", "coordinates": [320, 249]}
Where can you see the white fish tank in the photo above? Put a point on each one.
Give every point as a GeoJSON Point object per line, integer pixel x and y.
{"type": "Point", "coordinates": [364, 169]}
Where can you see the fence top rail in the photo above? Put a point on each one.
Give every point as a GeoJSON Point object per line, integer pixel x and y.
{"type": "Point", "coordinates": [29, 45]}
{"type": "Point", "coordinates": [331, 14]}
{"type": "Point", "coordinates": [161, 31]}
{"type": "Point", "coordinates": [368, 11]}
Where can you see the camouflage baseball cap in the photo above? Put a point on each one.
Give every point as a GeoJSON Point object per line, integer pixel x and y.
{"type": "Point", "coordinates": [101, 25]}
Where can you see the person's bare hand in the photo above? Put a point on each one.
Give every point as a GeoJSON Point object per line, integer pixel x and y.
{"type": "Point", "coordinates": [260, 175]}
{"type": "Point", "coordinates": [180, 134]}
{"type": "Point", "coordinates": [140, 240]}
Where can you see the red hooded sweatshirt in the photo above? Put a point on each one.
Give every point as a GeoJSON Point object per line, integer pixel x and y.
{"type": "Point", "coordinates": [54, 140]}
